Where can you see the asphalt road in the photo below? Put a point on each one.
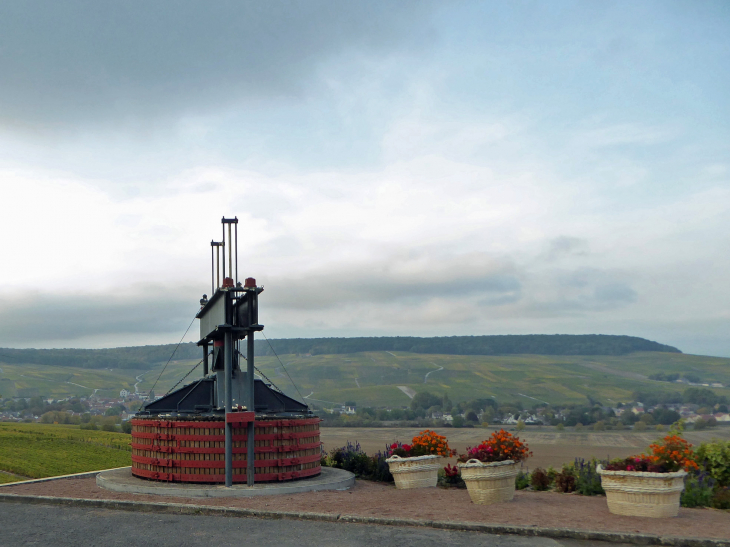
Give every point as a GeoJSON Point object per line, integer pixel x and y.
{"type": "Point", "coordinates": [25, 525]}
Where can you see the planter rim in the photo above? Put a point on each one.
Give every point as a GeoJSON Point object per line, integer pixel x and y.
{"type": "Point", "coordinates": [676, 474]}
{"type": "Point", "coordinates": [477, 463]}
{"type": "Point", "coordinates": [396, 458]}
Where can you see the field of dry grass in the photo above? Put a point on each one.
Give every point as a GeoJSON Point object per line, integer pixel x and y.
{"type": "Point", "coordinates": [549, 447]}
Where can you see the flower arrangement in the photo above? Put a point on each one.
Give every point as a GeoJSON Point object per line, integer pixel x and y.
{"type": "Point", "coordinates": [670, 455]}
{"type": "Point", "coordinates": [499, 447]}
{"type": "Point", "coordinates": [426, 443]}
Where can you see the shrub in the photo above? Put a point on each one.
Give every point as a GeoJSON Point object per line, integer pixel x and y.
{"type": "Point", "coordinates": [351, 458]}
{"type": "Point", "coordinates": [565, 481]}
{"type": "Point", "coordinates": [599, 426]}
{"type": "Point", "coordinates": [450, 476]}
{"type": "Point", "coordinates": [714, 458]}
{"type": "Point", "coordinates": [560, 427]}
{"type": "Point", "coordinates": [579, 426]}
{"type": "Point", "coordinates": [721, 498]}
{"type": "Point", "coordinates": [698, 491]}
{"type": "Point", "coordinates": [539, 480]}
{"type": "Point", "coordinates": [587, 480]}
{"type": "Point", "coordinates": [522, 480]}
{"type": "Point", "coordinates": [640, 426]}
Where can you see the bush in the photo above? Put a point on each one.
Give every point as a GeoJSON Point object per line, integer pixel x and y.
{"type": "Point", "coordinates": [450, 477]}
{"type": "Point", "coordinates": [522, 480]}
{"type": "Point", "coordinates": [539, 480]}
{"type": "Point", "coordinates": [579, 426]}
{"type": "Point", "coordinates": [714, 458]}
{"type": "Point", "coordinates": [640, 426]}
{"type": "Point", "coordinates": [565, 481]}
{"type": "Point", "coordinates": [351, 458]}
{"type": "Point", "coordinates": [721, 498]}
{"type": "Point", "coordinates": [698, 491]}
{"type": "Point", "coordinates": [559, 427]}
{"type": "Point", "coordinates": [587, 480]}
{"type": "Point", "coordinates": [599, 426]}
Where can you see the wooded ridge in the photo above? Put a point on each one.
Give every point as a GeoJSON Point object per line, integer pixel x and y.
{"type": "Point", "coordinates": [142, 357]}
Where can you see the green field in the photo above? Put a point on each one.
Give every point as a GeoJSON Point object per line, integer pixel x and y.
{"type": "Point", "coordinates": [372, 378]}
{"type": "Point", "coordinates": [37, 450]}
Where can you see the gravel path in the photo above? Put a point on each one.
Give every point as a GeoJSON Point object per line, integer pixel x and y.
{"type": "Point", "coordinates": [545, 509]}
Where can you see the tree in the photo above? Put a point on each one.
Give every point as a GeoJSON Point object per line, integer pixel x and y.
{"type": "Point", "coordinates": [446, 403]}
{"type": "Point", "coordinates": [458, 421]}
{"type": "Point", "coordinates": [425, 400]}
{"type": "Point", "coordinates": [471, 416]}
{"type": "Point", "coordinates": [520, 425]}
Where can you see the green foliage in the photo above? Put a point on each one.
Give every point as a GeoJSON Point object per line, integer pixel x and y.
{"type": "Point", "coordinates": [714, 458]}
{"type": "Point", "coordinates": [587, 479]}
{"type": "Point", "coordinates": [36, 450]}
{"type": "Point", "coordinates": [721, 498]}
{"type": "Point", "coordinates": [352, 458]}
{"type": "Point", "coordinates": [424, 400]}
{"type": "Point", "coordinates": [522, 480]}
{"type": "Point", "coordinates": [520, 425]}
{"type": "Point", "coordinates": [561, 344]}
{"type": "Point", "coordinates": [698, 491]}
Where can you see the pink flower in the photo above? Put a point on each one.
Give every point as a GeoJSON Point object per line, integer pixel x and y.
{"type": "Point", "coordinates": [629, 468]}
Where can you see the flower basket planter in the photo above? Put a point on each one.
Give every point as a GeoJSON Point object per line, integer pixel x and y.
{"type": "Point", "coordinates": [489, 483]}
{"type": "Point", "coordinates": [416, 472]}
{"type": "Point", "coordinates": [642, 494]}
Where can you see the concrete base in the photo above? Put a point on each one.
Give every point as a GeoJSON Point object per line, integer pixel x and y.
{"type": "Point", "coordinates": [122, 480]}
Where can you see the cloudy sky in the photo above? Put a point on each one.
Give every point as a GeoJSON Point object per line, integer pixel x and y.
{"type": "Point", "coordinates": [398, 168]}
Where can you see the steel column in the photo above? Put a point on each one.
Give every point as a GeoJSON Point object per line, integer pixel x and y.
{"type": "Point", "coordinates": [251, 404]}
{"type": "Point", "coordinates": [228, 371]}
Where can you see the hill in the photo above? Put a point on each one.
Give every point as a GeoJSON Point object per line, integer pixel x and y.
{"type": "Point", "coordinates": [527, 344]}
{"type": "Point", "coordinates": [145, 357]}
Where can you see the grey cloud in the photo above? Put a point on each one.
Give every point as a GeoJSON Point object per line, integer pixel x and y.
{"type": "Point", "coordinates": [491, 284]}
{"type": "Point", "coordinates": [584, 289]}
{"type": "Point", "coordinates": [35, 317]}
{"type": "Point", "coordinates": [567, 246]}
{"type": "Point", "coordinates": [73, 62]}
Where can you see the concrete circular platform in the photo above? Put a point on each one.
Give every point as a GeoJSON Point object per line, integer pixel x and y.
{"type": "Point", "coordinates": [122, 480]}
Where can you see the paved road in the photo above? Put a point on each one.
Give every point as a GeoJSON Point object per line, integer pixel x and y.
{"type": "Point", "coordinates": [26, 525]}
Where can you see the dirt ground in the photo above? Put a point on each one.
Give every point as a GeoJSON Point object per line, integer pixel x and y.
{"type": "Point", "coordinates": [549, 447]}
{"type": "Point", "coordinates": [546, 509]}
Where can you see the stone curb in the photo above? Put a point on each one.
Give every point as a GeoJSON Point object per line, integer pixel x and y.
{"type": "Point", "coordinates": [72, 476]}
{"type": "Point", "coordinates": [535, 531]}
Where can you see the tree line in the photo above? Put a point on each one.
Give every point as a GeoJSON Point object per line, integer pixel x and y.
{"type": "Point", "coordinates": [143, 357]}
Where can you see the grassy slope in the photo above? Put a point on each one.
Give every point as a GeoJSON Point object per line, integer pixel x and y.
{"type": "Point", "coordinates": [38, 450]}
{"type": "Point", "coordinates": [372, 378]}
{"type": "Point", "coordinates": [554, 379]}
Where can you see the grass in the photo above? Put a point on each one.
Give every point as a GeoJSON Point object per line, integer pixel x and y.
{"type": "Point", "coordinates": [39, 450]}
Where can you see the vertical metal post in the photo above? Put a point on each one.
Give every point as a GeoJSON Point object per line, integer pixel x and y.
{"type": "Point", "coordinates": [205, 358]}
{"type": "Point", "coordinates": [212, 271]}
{"type": "Point", "coordinates": [228, 371]}
{"type": "Point", "coordinates": [250, 469]}
{"type": "Point", "coordinates": [218, 266]}
{"type": "Point", "coordinates": [223, 242]}
{"type": "Point", "coordinates": [236, 251]}
{"type": "Point", "coordinates": [230, 252]}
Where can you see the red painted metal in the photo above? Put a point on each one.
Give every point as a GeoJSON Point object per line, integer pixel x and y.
{"type": "Point", "coordinates": [181, 451]}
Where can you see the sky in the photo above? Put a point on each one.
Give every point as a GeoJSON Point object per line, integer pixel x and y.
{"type": "Point", "coordinates": [397, 168]}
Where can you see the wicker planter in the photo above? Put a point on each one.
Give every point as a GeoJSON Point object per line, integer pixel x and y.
{"type": "Point", "coordinates": [641, 494]}
{"type": "Point", "coordinates": [416, 472]}
{"type": "Point", "coordinates": [489, 483]}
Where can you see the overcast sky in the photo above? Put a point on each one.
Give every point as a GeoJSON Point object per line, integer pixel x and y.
{"type": "Point", "coordinates": [398, 168]}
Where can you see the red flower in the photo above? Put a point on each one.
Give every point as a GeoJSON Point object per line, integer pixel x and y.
{"type": "Point", "coordinates": [407, 447]}
{"type": "Point", "coordinates": [394, 446]}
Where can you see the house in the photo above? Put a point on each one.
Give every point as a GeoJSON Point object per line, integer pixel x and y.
{"type": "Point", "coordinates": [124, 394]}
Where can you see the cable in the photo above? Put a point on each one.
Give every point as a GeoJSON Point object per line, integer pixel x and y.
{"type": "Point", "coordinates": [181, 379]}
{"type": "Point", "coordinates": [168, 361]}
{"type": "Point", "coordinates": [287, 372]}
